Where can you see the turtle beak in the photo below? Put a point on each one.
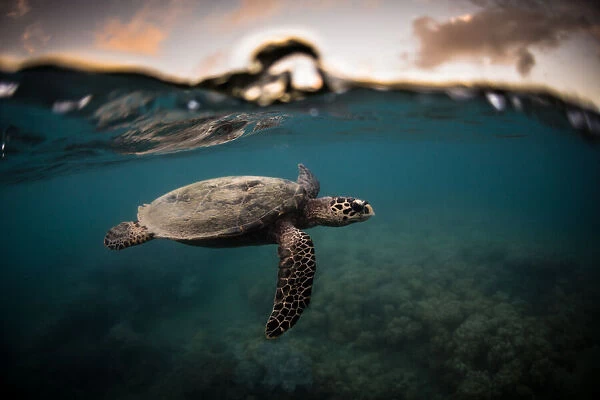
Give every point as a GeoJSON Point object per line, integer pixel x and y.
{"type": "Point", "coordinates": [368, 212]}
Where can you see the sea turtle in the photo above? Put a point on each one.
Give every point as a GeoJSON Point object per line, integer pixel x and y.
{"type": "Point", "coordinates": [249, 210]}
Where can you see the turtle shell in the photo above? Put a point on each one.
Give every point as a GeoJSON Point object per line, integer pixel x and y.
{"type": "Point", "coordinates": [221, 207]}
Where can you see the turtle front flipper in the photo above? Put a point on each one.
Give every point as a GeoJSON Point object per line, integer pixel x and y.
{"type": "Point", "coordinates": [297, 267]}
{"type": "Point", "coordinates": [127, 234]}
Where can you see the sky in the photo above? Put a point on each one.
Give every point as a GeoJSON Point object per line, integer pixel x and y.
{"type": "Point", "coordinates": [553, 43]}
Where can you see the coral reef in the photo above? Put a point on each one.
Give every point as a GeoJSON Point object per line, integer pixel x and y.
{"type": "Point", "coordinates": [442, 321]}
{"type": "Point", "coordinates": [440, 327]}
{"type": "Point", "coordinates": [274, 366]}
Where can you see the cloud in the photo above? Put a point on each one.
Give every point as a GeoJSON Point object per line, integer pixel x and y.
{"type": "Point", "coordinates": [525, 62]}
{"type": "Point", "coordinates": [34, 38]}
{"type": "Point", "coordinates": [211, 65]}
{"type": "Point", "coordinates": [595, 34]}
{"type": "Point", "coordinates": [20, 9]}
{"type": "Point", "coordinates": [144, 33]}
{"type": "Point", "coordinates": [247, 12]}
{"type": "Point", "coordinates": [595, 31]}
{"type": "Point", "coordinates": [136, 36]}
{"type": "Point", "coordinates": [502, 35]}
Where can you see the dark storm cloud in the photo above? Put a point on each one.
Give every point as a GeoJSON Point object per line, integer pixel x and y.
{"type": "Point", "coordinates": [502, 33]}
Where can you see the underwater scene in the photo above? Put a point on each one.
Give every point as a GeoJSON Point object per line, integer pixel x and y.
{"type": "Point", "coordinates": [337, 200]}
{"type": "Point", "coordinates": [477, 277]}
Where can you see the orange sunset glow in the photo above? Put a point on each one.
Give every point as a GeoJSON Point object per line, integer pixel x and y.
{"type": "Point", "coordinates": [554, 44]}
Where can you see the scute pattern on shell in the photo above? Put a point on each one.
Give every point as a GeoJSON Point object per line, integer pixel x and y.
{"type": "Point", "coordinates": [221, 207]}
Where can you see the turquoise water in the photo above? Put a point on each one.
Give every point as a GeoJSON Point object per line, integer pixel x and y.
{"type": "Point", "coordinates": [476, 279]}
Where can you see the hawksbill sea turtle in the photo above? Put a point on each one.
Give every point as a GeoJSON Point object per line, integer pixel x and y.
{"type": "Point", "coordinates": [249, 210]}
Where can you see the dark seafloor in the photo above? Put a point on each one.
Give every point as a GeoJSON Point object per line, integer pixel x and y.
{"type": "Point", "coordinates": [477, 278]}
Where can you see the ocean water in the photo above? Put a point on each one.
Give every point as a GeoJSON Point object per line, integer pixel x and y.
{"type": "Point", "coordinates": [476, 279]}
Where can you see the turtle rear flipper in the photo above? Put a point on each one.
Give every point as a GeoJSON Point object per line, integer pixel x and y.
{"type": "Point", "coordinates": [297, 265]}
{"type": "Point", "coordinates": [127, 234]}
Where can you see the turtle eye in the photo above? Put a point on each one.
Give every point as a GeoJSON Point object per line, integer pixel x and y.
{"type": "Point", "coordinates": [357, 206]}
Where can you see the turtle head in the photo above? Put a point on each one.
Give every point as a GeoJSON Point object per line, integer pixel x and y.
{"type": "Point", "coordinates": [339, 211]}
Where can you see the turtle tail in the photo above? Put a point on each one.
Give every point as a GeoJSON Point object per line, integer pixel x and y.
{"type": "Point", "coordinates": [127, 234]}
